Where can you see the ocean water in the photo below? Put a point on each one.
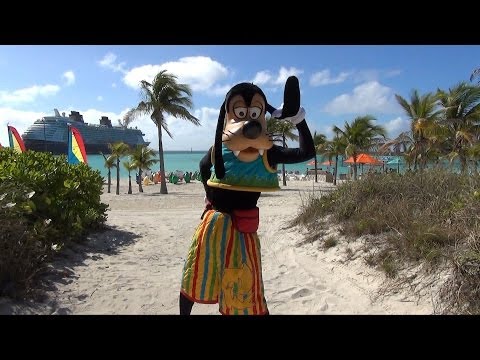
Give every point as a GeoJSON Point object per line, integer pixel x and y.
{"type": "Point", "coordinates": [189, 161]}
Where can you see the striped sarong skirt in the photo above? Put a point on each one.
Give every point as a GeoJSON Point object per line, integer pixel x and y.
{"type": "Point", "coordinates": [224, 266]}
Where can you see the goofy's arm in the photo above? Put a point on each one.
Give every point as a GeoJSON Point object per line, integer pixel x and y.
{"type": "Point", "coordinates": [306, 150]}
{"type": "Point", "coordinates": [295, 114]}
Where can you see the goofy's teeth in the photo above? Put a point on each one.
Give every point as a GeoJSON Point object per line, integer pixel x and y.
{"type": "Point", "coordinates": [260, 151]}
{"type": "Point", "coordinates": [236, 153]}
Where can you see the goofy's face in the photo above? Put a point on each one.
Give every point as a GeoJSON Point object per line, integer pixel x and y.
{"type": "Point", "coordinates": [245, 127]}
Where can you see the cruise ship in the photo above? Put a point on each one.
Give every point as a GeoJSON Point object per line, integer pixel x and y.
{"type": "Point", "coordinates": [50, 134]}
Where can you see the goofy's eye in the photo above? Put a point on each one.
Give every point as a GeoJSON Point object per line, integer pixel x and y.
{"type": "Point", "coordinates": [240, 112]}
{"type": "Point", "coordinates": [254, 112]}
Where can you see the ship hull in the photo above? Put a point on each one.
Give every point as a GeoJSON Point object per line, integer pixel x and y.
{"type": "Point", "coordinates": [50, 134]}
{"type": "Point", "coordinates": [58, 148]}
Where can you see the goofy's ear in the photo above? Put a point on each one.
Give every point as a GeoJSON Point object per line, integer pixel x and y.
{"type": "Point", "coordinates": [219, 166]}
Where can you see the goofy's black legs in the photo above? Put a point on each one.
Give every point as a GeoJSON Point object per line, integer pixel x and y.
{"type": "Point", "coordinates": [185, 305]}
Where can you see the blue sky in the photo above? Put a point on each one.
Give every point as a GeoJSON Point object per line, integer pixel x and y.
{"type": "Point", "coordinates": [338, 83]}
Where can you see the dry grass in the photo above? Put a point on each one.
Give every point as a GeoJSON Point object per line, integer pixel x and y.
{"type": "Point", "coordinates": [430, 219]}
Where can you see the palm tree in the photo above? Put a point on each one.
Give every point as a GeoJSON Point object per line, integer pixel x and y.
{"type": "Point", "coordinates": [360, 136]}
{"type": "Point", "coordinates": [461, 117]}
{"type": "Point", "coordinates": [333, 148]}
{"type": "Point", "coordinates": [129, 165]}
{"type": "Point", "coordinates": [118, 150]}
{"type": "Point", "coordinates": [280, 131]}
{"type": "Point", "coordinates": [142, 157]}
{"type": "Point", "coordinates": [319, 142]}
{"type": "Point", "coordinates": [424, 114]}
{"type": "Point", "coordinates": [164, 96]}
{"type": "Point", "coordinates": [124, 122]}
{"type": "Point", "coordinates": [109, 163]}
{"type": "Point", "coordinates": [475, 73]}
{"type": "Point", "coordinates": [474, 153]}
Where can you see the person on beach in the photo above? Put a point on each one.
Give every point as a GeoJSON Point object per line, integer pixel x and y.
{"type": "Point", "coordinates": [224, 260]}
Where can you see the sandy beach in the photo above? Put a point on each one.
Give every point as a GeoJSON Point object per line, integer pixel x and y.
{"type": "Point", "coordinates": [136, 266]}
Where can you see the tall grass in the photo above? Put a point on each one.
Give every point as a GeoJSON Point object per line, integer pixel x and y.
{"type": "Point", "coordinates": [430, 218]}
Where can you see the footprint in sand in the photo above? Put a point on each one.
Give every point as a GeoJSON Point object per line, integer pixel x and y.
{"type": "Point", "coordinates": [286, 290]}
{"type": "Point", "coordinates": [301, 293]}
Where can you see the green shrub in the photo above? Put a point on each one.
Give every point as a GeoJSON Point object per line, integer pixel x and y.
{"type": "Point", "coordinates": [45, 204]}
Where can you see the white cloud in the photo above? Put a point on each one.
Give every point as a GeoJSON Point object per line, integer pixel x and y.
{"type": "Point", "coordinates": [114, 85]}
{"type": "Point", "coordinates": [109, 62]}
{"type": "Point", "coordinates": [221, 90]}
{"type": "Point", "coordinates": [69, 77]}
{"type": "Point", "coordinates": [19, 119]}
{"type": "Point", "coordinates": [185, 134]}
{"type": "Point", "coordinates": [200, 72]}
{"type": "Point", "coordinates": [324, 78]}
{"type": "Point", "coordinates": [262, 77]}
{"type": "Point", "coordinates": [284, 73]}
{"type": "Point", "coordinates": [99, 97]}
{"type": "Point", "coordinates": [368, 98]}
{"type": "Point", "coordinates": [29, 94]}
{"type": "Point", "coordinates": [396, 126]}
{"type": "Point", "coordinates": [265, 77]}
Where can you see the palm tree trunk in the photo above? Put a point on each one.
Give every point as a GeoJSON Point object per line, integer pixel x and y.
{"type": "Point", "coordinates": [140, 188]}
{"type": "Point", "coordinates": [283, 165]}
{"type": "Point", "coordinates": [109, 180]}
{"type": "Point", "coordinates": [354, 167]}
{"type": "Point", "coordinates": [118, 176]}
{"type": "Point", "coordinates": [163, 181]}
{"type": "Point", "coordinates": [129, 183]}
{"type": "Point", "coordinates": [335, 171]}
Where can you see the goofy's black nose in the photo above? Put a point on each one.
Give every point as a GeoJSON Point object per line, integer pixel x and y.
{"type": "Point", "coordinates": [252, 130]}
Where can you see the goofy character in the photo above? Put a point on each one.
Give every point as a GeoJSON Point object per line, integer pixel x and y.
{"type": "Point", "coordinates": [224, 261]}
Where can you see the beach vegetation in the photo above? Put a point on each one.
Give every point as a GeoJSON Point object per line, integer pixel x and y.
{"type": "Point", "coordinates": [360, 136]}
{"type": "Point", "coordinates": [110, 162]}
{"type": "Point", "coordinates": [142, 158]}
{"type": "Point", "coordinates": [426, 220]}
{"type": "Point", "coordinates": [117, 150]}
{"type": "Point", "coordinates": [162, 97]}
{"type": "Point", "coordinates": [280, 131]}
{"type": "Point", "coordinates": [45, 204]}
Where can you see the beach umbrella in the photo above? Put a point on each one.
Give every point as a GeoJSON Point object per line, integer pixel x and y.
{"type": "Point", "coordinates": [364, 159]}
{"type": "Point", "coordinates": [396, 161]}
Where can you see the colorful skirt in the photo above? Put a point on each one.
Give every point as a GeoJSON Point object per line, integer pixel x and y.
{"type": "Point", "coordinates": [224, 266]}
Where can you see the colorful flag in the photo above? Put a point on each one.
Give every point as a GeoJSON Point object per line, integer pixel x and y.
{"type": "Point", "coordinates": [16, 141]}
{"type": "Point", "coordinates": [76, 147]}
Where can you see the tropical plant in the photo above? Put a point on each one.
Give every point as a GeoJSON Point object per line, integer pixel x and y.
{"type": "Point", "coordinates": [118, 150]}
{"type": "Point", "coordinates": [424, 114]}
{"type": "Point", "coordinates": [164, 96]}
{"type": "Point", "coordinates": [319, 141]}
{"type": "Point", "coordinates": [142, 157]}
{"type": "Point", "coordinates": [461, 118]}
{"type": "Point", "coordinates": [129, 166]}
{"type": "Point", "coordinates": [45, 203]}
{"type": "Point", "coordinates": [475, 74]}
{"type": "Point", "coordinates": [280, 131]}
{"type": "Point", "coordinates": [360, 136]}
{"type": "Point", "coordinates": [109, 164]}
{"type": "Point", "coordinates": [333, 148]}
